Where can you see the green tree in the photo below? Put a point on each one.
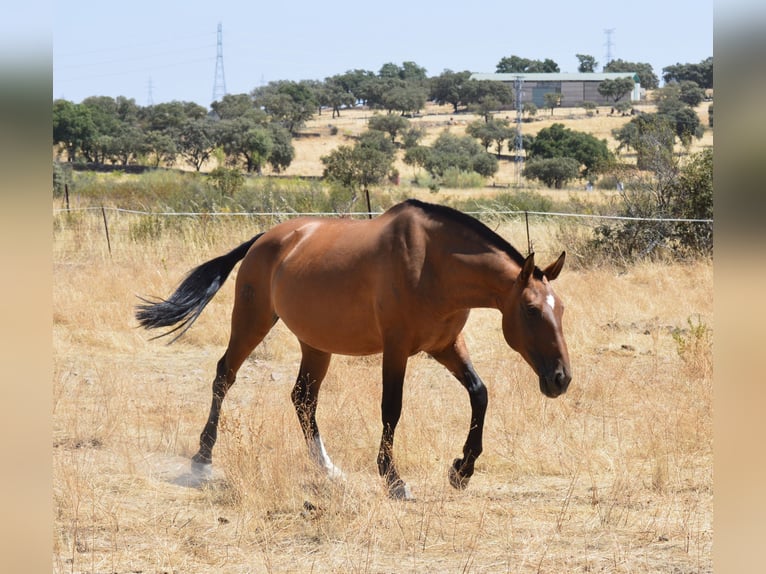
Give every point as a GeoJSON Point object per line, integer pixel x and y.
{"type": "Point", "coordinates": [485, 96]}
{"type": "Point", "coordinates": [587, 64]}
{"type": "Point", "coordinates": [459, 152]}
{"type": "Point", "coordinates": [559, 141]}
{"type": "Point", "coordinates": [338, 95]}
{"type": "Point", "coordinates": [391, 124]}
{"type": "Point", "coordinates": [162, 125]}
{"type": "Point", "coordinates": [247, 141]}
{"type": "Point", "coordinates": [516, 65]}
{"type": "Point", "coordinates": [492, 132]}
{"type": "Point", "coordinates": [73, 127]}
{"type": "Point", "coordinates": [197, 139]}
{"type": "Point", "coordinates": [651, 136]}
{"type": "Point", "coordinates": [406, 97]}
{"type": "Point", "coordinates": [233, 106]}
{"type": "Point", "coordinates": [358, 167]}
{"type": "Point", "coordinates": [616, 89]}
{"type": "Point", "coordinates": [282, 152]}
{"type": "Point", "coordinates": [530, 109]}
{"type": "Point", "coordinates": [161, 148]}
{"type": "Point", "coordinates": [127, 145]}
{"type": "Point", "coordinates": [553, 172]}
{"type": "Point", "coordinates": [168, 117]}
{"type": "Point", "coordinates": [690, 93]}
{"type": "Point", "coordinates": [685, 121]}
{"type": "Point", "coordinates": [408, 71]}
{"type": "Point", "coordinates": [356, 82]}
{"type": "Point", "coordinates": [701, 73]}
{"type": "Point", "coordinates": [107, 126]}
{"type": "Point", "coordinates": [287, 102]}
{"type": "Point", "coordinates": [671, 106]}
{"type": "Point", "coordinates": [646, 76]}
{"type": "Point", "coordinates": [552, 101]}
{"type": "Point", "coordinates": [450, 88]}
{"type": "Point", "coordinates": [693, 199]}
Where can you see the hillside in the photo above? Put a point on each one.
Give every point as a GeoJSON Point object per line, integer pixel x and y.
{"type": "Point", "coordinates": [436, 119]}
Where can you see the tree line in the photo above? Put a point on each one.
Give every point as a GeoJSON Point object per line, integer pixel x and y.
{"type": "Point", "coordinates": [251, 131]}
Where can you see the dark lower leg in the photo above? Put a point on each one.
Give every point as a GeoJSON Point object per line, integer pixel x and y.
{"type": "Point", "coordinates": [223, 381]}
{"type": "Point", "coordinates": [391, 409]}
{"type": "Point", "coordinates": [463, 468]}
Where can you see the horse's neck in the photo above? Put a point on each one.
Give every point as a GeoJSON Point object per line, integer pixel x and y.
{"type": "Point", "coordinates": [481, 279]}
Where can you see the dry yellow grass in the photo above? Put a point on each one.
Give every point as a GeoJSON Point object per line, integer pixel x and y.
{"type": "Point", "coordinates": [615, 476]}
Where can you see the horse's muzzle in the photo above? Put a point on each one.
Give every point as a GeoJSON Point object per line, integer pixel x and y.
{"type": "Point", "coordinates": [556, 382]}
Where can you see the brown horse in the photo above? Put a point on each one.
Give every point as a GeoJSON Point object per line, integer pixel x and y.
{"type": "Point", "coordinates": [399, 284]}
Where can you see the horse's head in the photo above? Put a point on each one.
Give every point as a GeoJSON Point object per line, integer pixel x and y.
{"type": "Point", "coordinates": [532, 325]}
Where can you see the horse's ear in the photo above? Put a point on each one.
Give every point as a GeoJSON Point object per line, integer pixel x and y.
{"type": "Point", "coordinates": [553, 270]}
{"type": "Point", "coordinates": [527, 269]}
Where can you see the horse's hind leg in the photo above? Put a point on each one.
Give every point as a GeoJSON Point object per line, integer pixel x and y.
{"type": "Point", "coordinates": [249, 326]}
{"type": "Point", "coordinates": [314, 365]}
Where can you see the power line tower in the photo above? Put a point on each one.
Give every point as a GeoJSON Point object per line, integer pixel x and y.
{"type": "Point", "coordinates": [219, 83]}
{"type": "Point", "coordinates": [608, 44]}
{"type": "Point", "coordinates": [149, 95]}
{"type": "Point", "coordinates": [519, 143]}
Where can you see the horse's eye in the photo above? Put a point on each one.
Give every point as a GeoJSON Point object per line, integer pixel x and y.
{"type": "Point", "coordinates": [533, 311]}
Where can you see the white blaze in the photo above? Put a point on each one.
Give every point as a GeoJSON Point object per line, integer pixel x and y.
{"type": "Point", "coordinates": [551, 301]}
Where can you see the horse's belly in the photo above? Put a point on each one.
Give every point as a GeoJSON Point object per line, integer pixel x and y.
{"type": "Point", "coordinates": [334, 330]}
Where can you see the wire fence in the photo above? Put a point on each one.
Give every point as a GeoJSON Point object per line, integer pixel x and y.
{"type": "Point", "coordinates": [107, 229]}
{"type": "Point", "coordinates": [288, 214]}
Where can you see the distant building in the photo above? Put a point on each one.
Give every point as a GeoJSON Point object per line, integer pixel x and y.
{"type": "Point", "coordinates": [574, 88]}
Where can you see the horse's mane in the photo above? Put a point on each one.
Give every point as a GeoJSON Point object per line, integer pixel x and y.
{"type": "Point", "coordinates": [476, 226]}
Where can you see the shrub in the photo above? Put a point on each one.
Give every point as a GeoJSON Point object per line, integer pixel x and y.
{"type": "Point", "coordinates": [553, 172]}
{"type": "Point", "coordinates": [673, 191]}
{"type": "Point", "coordinates": [459, 179]}
{"type": "Point", "coordinates": [226, 180]}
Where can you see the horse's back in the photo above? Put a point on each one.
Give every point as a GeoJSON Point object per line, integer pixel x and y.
{"type": "Point", "coordinates": [329, 280]}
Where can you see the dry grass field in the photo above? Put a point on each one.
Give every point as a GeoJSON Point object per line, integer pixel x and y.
{"type": "Point", "coordinates": [614, 476]}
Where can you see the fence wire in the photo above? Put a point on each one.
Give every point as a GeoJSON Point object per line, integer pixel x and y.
{"type": "Point", "coordinates": [286, 214]}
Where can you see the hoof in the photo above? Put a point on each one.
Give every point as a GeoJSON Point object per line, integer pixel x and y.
{"type": "Point", "coordinates": [457, 480]}
{"type": "Point", "coordinates": [400, 491]}
{"type": "Point", "coordinates": [336, 475]}
{"type": "Point", "coordinates": [201, 459]}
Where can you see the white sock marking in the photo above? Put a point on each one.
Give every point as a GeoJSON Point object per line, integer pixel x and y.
{"type": "Point", "coordinates": [319, 456]}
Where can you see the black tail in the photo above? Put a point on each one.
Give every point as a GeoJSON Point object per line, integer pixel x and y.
{"type": "Point", "coordinates": [196, 291]}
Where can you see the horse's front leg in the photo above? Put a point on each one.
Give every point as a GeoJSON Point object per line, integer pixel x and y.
{"type": "Point", "coordinates": [394, 367]}
{"type": "Point", "coordinates": [314, 365]}
{"type": "Point", "coordinates": [456, 359]}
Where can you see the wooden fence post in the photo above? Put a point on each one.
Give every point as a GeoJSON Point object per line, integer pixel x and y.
{"type": "Point", "coordinates": [106, 228]}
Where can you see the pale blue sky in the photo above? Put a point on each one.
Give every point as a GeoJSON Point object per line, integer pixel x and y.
{"type": "Point", "coordinates": [167, 49]}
